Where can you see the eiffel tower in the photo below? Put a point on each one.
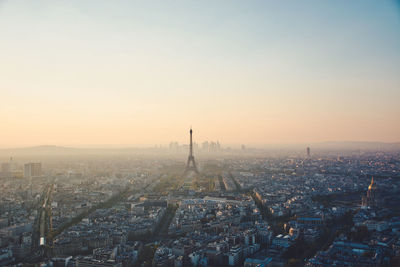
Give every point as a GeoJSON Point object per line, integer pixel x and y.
{"type": "Point", "coordinates": [191, 164]}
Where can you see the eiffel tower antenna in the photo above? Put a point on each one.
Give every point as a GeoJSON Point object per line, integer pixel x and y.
{"type": "Point", "coordinates": [191, 164]}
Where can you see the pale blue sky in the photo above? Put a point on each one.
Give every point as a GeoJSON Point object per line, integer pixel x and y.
{"type": "Point", "coordinates": [141, 72]}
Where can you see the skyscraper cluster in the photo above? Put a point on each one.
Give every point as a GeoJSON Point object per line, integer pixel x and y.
{"type": "Point", "coordinates": [211, 146]}
{"type": "Point", "coordinates": [207, 146]}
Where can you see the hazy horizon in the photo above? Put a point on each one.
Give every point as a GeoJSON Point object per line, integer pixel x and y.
{"type": "Point", "coordinates": [75, 73]}
{"type": "Point", "coordinates": [296, 146]}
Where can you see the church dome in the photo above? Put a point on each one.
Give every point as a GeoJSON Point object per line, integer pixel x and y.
{"type": "Point", "coordinates": [372, 185]}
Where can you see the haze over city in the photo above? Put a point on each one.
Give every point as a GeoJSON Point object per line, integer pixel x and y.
{"type": "Point", "coordinates": [115, 73]}
{"type": "Point", "coordinates": [182, 133]}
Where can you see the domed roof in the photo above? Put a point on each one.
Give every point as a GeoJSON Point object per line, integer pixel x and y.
{"type": "Point", "coordinates": [372, 185]}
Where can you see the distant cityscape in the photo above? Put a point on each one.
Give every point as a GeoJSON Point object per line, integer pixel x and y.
{"type": "Point", "coordinates": [238, 210]}
{"type": "Point", "coordinates": [293, 159]}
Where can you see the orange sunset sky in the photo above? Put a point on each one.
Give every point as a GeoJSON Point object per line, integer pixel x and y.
{"type": "Point", "coordinates": [75, 73]}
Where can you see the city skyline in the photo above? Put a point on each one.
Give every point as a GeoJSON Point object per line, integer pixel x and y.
{"type": "Point", "coordinates": [134, 73]}
{"type": "Point", "coordinates": [206, 133]}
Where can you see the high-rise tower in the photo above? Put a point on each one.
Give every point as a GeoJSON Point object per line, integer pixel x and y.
{"type": "Point", "coordinates": [32, 169]}
{"type": "Point", "coordinates": [191, 164]}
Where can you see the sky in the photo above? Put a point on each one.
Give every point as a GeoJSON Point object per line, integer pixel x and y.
{"type": "Point", "coordinates": [78, 73]}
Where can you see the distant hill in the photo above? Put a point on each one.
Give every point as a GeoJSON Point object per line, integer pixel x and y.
{"type": "Point", "coordinates": [50, 150]}
{"type": "Point", "coordinates": [357, 145]}
{"type": "Point", "coordinates": [46, 149]}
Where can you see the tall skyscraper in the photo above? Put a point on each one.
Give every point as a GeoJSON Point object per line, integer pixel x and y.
{"type": "Point", "coordinates": [308, 151]}
{"type": "Point", "coordinates": [32, 169]}
{"type": "Point", "coordinates": [205, 146]}
{"type": "Point", "coordinates": [191, 164]}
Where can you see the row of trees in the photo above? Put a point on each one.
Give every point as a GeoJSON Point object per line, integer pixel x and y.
{"type": "Point", "coordinates": [102, 205]}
